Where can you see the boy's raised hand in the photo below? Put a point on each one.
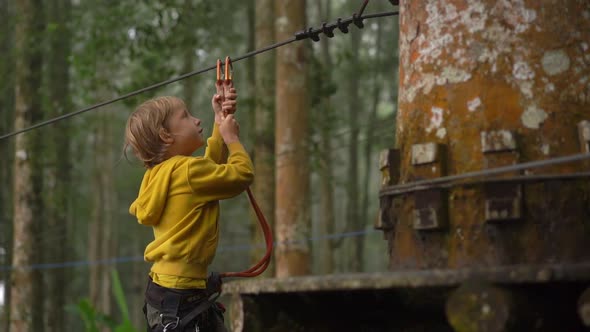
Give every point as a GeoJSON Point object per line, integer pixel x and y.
{"type": "Point", "coordinates": [224, 101]}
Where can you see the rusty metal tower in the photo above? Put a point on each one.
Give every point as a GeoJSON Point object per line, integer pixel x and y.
{"type": "Point", "coordinates": [487, 84]}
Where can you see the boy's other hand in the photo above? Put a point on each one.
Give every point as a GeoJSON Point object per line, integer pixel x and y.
{"type": "Point", "coordinates": [228, 107]}
{"type": "Point", "coordinates": [229, 129]}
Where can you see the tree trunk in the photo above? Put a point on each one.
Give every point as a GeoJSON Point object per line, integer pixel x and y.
{"type": "Point", "coordinates": [352, 190]}
{"type": "Point", "coordinates": [327, 219]}
{"type": "Point", "coordinates": [370, 133]}
{"type": "Point", "coordinates": [94, 227]}
{"type": "Point", "coordinates": [7, 107]}
{"type": "Point", "coordinates": [60, 14]}
{"type": "Point", "coordinates": [292, 177]}
{"type": "Point", "coordinates": [6, 147]}
{"type": "Point", "coordinates": [264, 186]}
{"type": "Point", "coordinates": [109, 197]}
{"type": "Point", "coordinates": [27, 184]}
{"type": "Point", "coordinates": [101, 240]}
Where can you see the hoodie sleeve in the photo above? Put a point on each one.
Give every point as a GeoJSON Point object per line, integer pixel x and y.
{"type": "Point", "coordinates": [214, 182]}
{"type": "Point", "coordinates": [216, 149]}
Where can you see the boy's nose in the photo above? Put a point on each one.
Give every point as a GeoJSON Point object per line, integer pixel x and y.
{"type": "Point", "coordinates": [197, 122]}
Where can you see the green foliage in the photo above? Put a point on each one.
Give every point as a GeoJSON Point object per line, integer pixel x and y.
{"type": "Point", "coordinates": [94, 320]}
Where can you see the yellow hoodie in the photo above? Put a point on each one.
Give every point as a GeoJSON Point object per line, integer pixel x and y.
{"type": "Point", "coordinates": [179, 199]}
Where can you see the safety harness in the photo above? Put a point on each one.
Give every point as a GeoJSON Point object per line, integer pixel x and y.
{"type": "Point", "coordinates": [169, 304]}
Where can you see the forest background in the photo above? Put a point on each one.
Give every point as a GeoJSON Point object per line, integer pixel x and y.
{"type": "Point", "coordinates": [79, 186]}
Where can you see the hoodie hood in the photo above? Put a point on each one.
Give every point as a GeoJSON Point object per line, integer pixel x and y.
{"type": "Point", "coordinates": [153, 193]}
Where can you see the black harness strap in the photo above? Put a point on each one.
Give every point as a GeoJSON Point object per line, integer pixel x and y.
{"type": "Point", "coordinates": [213, 289]}
{"type": "Point", "coordinates": [171, 305]}
{"type": "Point", "coordinates": [191, 316]}
{"type": "Point", "coordinates": [169, 312]}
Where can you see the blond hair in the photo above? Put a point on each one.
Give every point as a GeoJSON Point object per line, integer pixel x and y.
{"type": "Point", "coordinates": [143, 129]}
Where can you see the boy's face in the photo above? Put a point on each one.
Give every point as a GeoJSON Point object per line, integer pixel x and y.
{"type": "Point", "coordinates": [186, 131]}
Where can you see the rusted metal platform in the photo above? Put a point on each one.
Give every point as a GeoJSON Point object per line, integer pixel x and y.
{"type": "Point", "coordinates": [545, 296]}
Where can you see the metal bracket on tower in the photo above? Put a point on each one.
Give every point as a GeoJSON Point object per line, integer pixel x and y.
{"type": "Point", "coordinates": [503, 201]}
{"type": "Point", "coordinates": [430, 206]}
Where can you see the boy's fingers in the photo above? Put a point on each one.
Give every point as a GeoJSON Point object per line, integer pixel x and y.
{"type": "Point", "coordinates": [228, 107]}
{"type": "Point", "coordinates": [227, 87]}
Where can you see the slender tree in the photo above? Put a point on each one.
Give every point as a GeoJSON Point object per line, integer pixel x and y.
{"type": "Point", "coordinates": [6, 147]}
{"type": "Point", "coordinates": [264, 187]}
{"type": "Point", "coordinates": [27, 181]}
{"type": "Point", "coordinates": [326, 177]}
{"type": "Point", "coordinates": [59, 12]}
{"type": "Point", "coordinates": [102, 228]}
{"type": "Point", "coordinates": [292, 178]}
{"type": "Point", "coordinates": [352, 187]}
{"type": "Point", "coordinates": [370, 136]}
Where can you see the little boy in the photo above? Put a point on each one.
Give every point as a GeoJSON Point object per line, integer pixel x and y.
{"type": "Point", "coordinates": [179, 198]}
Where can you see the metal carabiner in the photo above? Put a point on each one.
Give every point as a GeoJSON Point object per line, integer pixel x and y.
{"type": "Point", "coordinates": [229, 70]}
{"type": "Point", "coordinates": [170, 325]}
{"type": "Point", "coordinates": [228, 74]}
{"type": "Point", "coordinates": [219, 72]}
{"type": "Point", "coordinates": [226, 80]}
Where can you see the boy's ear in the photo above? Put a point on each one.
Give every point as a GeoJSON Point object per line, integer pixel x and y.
{"type": "Point", "coordinates": [165, 136]}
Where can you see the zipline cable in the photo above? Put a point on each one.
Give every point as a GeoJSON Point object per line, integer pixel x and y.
{"type": "Point", "coordinates": [311, 33]}
{"type": "Point", "coordinates": [140, 91]}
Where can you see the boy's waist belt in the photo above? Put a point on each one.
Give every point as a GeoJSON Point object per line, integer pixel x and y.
{"type": "Point", "coordinates": [155, 295]}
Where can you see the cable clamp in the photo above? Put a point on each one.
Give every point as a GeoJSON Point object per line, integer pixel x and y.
{"type": "Point", "coordinates": [358, 21]}
{"type": "Point", "coordinates": [328, 31]}
{"type": "Point", "coordinates": [343, 26]}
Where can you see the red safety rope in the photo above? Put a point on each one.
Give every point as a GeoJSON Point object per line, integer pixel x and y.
{"type": "Point", "coordinates": [261, 266]}
{"type": "Point", "coordinates": [265, 261]}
